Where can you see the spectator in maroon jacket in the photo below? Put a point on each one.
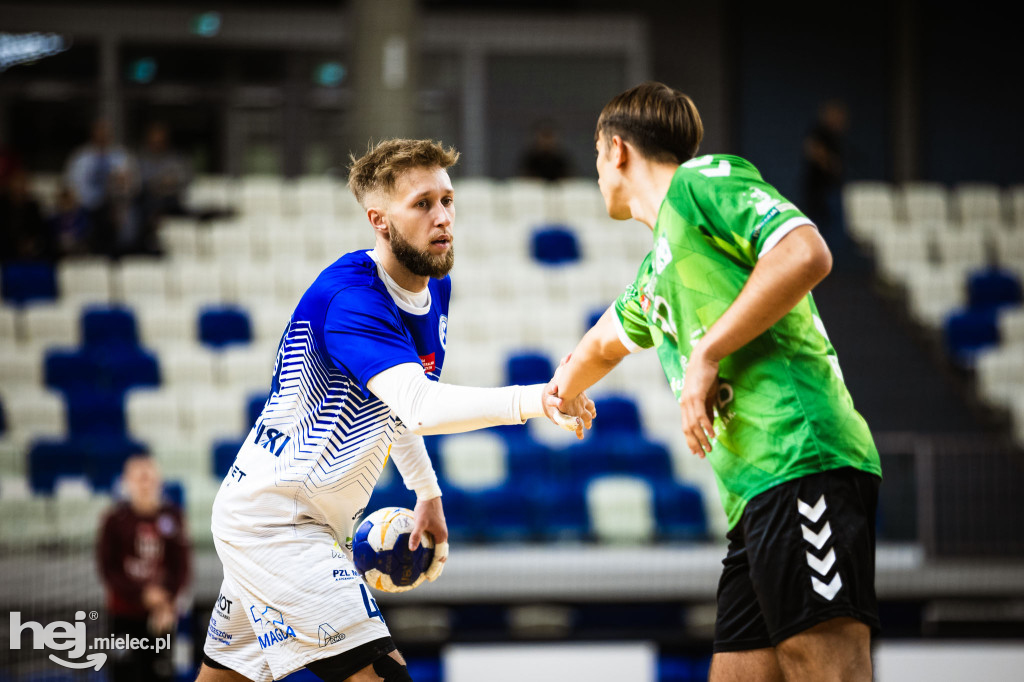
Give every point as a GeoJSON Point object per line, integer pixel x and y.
{"type": "Point", "coordinates": [144, 558]}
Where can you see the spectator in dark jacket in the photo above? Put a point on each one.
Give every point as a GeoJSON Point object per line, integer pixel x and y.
{"type": "Point", "coordinates": [144, 558]}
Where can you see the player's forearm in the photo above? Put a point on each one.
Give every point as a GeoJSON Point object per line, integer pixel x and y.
{"type": "Point", "coordinates": [428, 407]}
{"type": "Point", "coordinates": [779, 281]}
{"type": "Point", "coordinates": [410, 456]}
{"type": "Point", "coordinates": [597, 354]}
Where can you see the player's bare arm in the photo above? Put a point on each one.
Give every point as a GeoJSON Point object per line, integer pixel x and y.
{"type": "Point", "coordinates": [780, 280]}
{"type": "Point", "coordinates": [597, 354]}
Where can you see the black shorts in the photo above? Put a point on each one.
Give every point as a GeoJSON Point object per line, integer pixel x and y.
{"type": "Point", "coordinates": [802, 553]}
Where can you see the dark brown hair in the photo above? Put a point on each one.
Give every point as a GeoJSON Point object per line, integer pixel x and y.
{"type": "Point", "coordinates": [379, 168]}
{"type": "Point", "coordinates": [661, 122]}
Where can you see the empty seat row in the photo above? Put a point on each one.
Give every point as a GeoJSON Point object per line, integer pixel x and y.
{"type": "Point", "coordinates": [919, 202]}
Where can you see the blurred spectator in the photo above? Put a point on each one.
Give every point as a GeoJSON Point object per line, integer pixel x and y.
{"type": "Point", "coordinates": [144, 560]}
{"type": "Point", "coordinates": [23, 232]}
{"type": "Point", "coordinates": [823, 169]}
{"type": "Point", "coordinates": [545, 158]}
{"type": "Point", "coordinates": [69, 224]}
{"type": "Point", "coordinates": [103, 178]}
{"type": "Point", "coordinates": [164, 176]}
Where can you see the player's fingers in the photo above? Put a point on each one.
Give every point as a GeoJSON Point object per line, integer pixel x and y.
{"type": "Point", "coordinates": [415, 536]}
{"type": "Point", "coordinates": [437, 565]}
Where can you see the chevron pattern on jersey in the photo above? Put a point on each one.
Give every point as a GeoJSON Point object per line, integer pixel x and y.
{"type": "Point", "coordinates": [326, 433]}
{"type": "Point", "coordinates": [820, 561]}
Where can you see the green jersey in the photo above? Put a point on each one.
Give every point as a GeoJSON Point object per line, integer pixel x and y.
{"type": "Point", "coordinates": [783, 410]}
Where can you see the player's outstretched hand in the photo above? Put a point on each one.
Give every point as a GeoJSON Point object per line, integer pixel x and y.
{"type": "Point", "coordinates": [429, 517]}
{"type": "Point", "coordinates": [572, 415]}
{"type": "Point", "coordinates": [697, 402]}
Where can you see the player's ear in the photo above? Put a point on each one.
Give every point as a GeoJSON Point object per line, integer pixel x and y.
{"type": "Point", "coordinates": [619, 151]}
{"type": "Point", "coordinates": [378, 219]}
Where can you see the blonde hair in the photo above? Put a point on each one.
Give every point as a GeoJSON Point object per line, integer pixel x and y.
{"type": "Point", "coordinates": [378, 170]}
{"type": "Point", "coordinates": [661, 122]}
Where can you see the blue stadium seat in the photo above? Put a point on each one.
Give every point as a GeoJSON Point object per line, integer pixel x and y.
{"type": "Point", "coordinates": [224, 453]}
{"type": "Point", "coordinates": [174, 492]}
{"type": "Point", "coordinates": [679, 509]}
{"type": "Point", "coordinates": [108, 327]}
{"type": "Point", "coordinates": [95, 412]}
{"type": "Point", "coordinates": [48, 460]}
{"type": "Point", "coordinates": [559, 509]}
{"type": "Point", "coordinates": [219, 327]}
{"type": "Point", "coordinates": [23, 282]}
{"type": "Point", "coordinates": [992, 289]}
{"type": "Point", "coordinates": [617, 414]}
{"type": "Point", "coordinates": [69, 370]}
{"type": "Point", "coordinates": [255, 407]}
{"type": "Point", "coordinates": [633, 454]}
{"type": "Point", "coordinates": [501, 513]}
{"type": "Point", "coordinates": [424, 669]}
{"type": "Point", "coordinates": [528, 368]}
{"type": "Point", "coordinates": [554, 245]}
{"type": "Point", "coordinates": [120, 367]}
{"type": "Point", "coordinates": [970, 331]}
{"type": "Point", "coordinates": [105, 456]}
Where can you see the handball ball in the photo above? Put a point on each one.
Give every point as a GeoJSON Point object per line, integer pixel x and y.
{"type": "Point", "coordinates": [380, 551]}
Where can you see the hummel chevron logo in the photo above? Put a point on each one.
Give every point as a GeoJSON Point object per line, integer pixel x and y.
{"type": "Point", "coordinates": [813, 513]}
{"type": "Point", "coordinates": [822, 566]}
{"type": "Point", "coordinates": [817, 539]}
{"type": "Point", "coordinates": [829, 590]}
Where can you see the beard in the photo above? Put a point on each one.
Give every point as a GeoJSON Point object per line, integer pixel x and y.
{"type": "Point", "coordinates": [420, 263]}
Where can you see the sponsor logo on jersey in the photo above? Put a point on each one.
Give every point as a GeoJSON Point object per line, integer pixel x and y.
{"type": "Point", "coordinates": [224, 606]}
{"type": "Point", "coordinates": [343, 574]}
{"type": "Point", "coordinates": [271, 620]}
{"type": "Point", "coordinates": [662, 255]}
{"type": "Point", "coordinates": [442, 332]}
{"type": "Point", "coordinates": [328, 635]}
{"type": "Point", "coordinates": [271, 439]}
{"type": "Point", "coordinates": [429, 363]}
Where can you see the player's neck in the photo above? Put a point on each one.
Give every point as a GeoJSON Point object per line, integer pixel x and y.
{"type": "Point", "coordinates": [399, 273]}
{"type": "Point", "coordinates": [649, 183]}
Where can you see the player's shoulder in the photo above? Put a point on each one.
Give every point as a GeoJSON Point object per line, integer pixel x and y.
{"type": "Point", "coordinates": [708, 167]}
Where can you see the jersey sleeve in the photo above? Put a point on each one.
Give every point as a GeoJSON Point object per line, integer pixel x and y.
{"type": "Point", "coordinates": [365, 335]}
{"type": "Point", "coordinates": [729, 200]}
{"type": "Point", "coordinates": [629, 316]}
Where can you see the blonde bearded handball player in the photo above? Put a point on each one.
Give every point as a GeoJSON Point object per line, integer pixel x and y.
{"type": "Point", "coordinates": [434, 407]}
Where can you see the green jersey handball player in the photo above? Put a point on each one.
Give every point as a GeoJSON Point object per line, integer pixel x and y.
{"type": "Point", "coordinates": [724, 299]}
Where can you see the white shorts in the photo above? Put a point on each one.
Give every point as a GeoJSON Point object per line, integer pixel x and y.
{"type": "Point", "coordinates": [287, 602]}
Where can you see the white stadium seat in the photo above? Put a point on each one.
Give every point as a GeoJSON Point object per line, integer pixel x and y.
{"type": "Point", "coordinates": [229, 244]}
{"type": "Point", "coordinates": [246, 368]}
{"type": "Point", "coordinates": [963, 248]}
{"type": "Point", "coordinates": [978, 202]}
{"type": "Point", "coordinates": [84, 280]}
{"type": "Point", "coordinates": [141, 281]}
{"type": "Point", "coordinates": [621, 509]}
{"type": "Point", "coordinates": [35, 412]}
{"type": "Point", "coordinates": [896, 252]}
{"type": "Point", "coordinates": [154, 415]}
{"type": "Point", "coordinates": [473, 461]}
{"type": "Point", "coordinates": [248, 284]}
{"type": "Point", "coordinates": [1000, 374]}
{"type": "Point", "coordinates": [195, 282]}
{"type": "Point", "coordinates": [261, 195]}
{"type": "Point", "coordinates": [8, 325]}
{"type": "Point", "coordinates": [21, 367]}
{"type": "Point", "coordinates": [211, 192]}
{"type": "Point", "coordinates": [925, 201]}
{"type": "Point", "coordinates": [313, 195]}
{"type": "Point", "coordinates": [171, 323]}
{"type": "Point", "coordinates": [179, 237]}
{"type": "Point", "coordinates": [1011, 326]}
{"type": "Point", "coordinates": [935, 292]}
{"type": "Point", "coordinates": [187, 365]}
{"type": "Point", "coordinates": [51, 324]}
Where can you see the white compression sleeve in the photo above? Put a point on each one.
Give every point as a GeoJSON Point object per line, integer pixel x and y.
{"type": "Point", "coordinates": [410, 456]}
{"type": "Point", "coordinates": [429, 407]}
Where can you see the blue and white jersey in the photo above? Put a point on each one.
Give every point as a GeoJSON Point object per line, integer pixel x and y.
{"type": "Point", "coordinates": [317, 449]}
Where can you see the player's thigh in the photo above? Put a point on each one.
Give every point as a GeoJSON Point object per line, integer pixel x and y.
{"type": "Point", "coordinates": [838, 649]}
{"type": "Point", "coordinates": [372, 672]}
{"type": "Point", "coordinates": [756, 665]}
{"type": "Point", "coordinates": [208, 674]}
